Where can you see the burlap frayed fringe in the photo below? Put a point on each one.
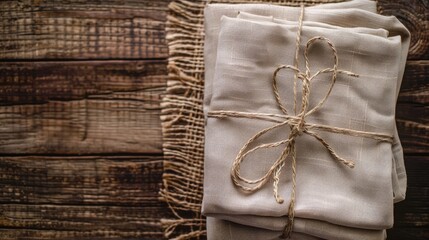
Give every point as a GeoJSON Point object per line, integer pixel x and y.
{"type": "Point", "coordinates": [182, 116]}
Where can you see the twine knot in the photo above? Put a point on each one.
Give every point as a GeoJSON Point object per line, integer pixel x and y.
{"type": "Point", "coordinates": [297, 125]}
{"type": "Point", "coordinates": [298, 129]}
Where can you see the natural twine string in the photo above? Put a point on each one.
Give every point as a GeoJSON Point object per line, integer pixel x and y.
{"type": "Point", "coordinates": [297, 124]}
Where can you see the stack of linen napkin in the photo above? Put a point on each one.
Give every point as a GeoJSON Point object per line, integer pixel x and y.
{"type": "Point", "coordinates": [300, 137]}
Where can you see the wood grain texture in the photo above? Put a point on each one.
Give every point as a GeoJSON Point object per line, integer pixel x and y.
{"type": "Point", "coordinates": [41, 82]}
{"type": "Point", "coordinates": [75, 29]}
{"type": "Point", "coordinates": [414, 14]}
{"type": "Point", "coordinates": [413, 108]}
{"type": "Point", "coordinates": [414, 211]}
{"type": "Point", "coordinates": [81, 107]}
{"type": "Point", "coordinates": [91, 197]}
{"type": "Point", "coordinates": [80, 127]}
{"type": "Point", "coordinates": [412, 215]}
{"type": "Point", "coordinates": [408, 234]}
{"type": "Point", "coordinates": [415, 84]}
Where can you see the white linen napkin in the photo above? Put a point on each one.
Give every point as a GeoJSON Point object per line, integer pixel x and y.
{"type": "Point", "coordinates": [241, 68]}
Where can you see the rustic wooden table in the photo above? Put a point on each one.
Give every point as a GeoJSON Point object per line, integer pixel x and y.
{"type": "Point", "coordinates": [80, 137]}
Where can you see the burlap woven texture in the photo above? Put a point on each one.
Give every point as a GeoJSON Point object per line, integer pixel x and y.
{"type": "Point", "coordinates": [182, 116]}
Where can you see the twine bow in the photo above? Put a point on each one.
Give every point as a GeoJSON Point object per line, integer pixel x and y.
{"type": "Point", "coordinates": [297, 124]}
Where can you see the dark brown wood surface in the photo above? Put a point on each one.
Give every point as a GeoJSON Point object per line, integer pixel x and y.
{"type": "Point", "coordinates": [80, 136]}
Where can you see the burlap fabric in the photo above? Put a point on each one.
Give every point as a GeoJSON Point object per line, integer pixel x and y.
{"type": "Point", "coordinates": [183, 119]}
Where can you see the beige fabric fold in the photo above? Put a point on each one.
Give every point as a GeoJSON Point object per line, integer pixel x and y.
{"type": "Point", "coordinates": [311, 227]}
{"type": "Point", "coordinates": [218, 229]}
{"type": "Point", "coordinates": [399, 180]}
{"type": "Point", "coordinates": [225, 230]}
{"type": "Point", "coordinates": [214, 12]}
{"type": "Point", "coordinates": [234, 89]}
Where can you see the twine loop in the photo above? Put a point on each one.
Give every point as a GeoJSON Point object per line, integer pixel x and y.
{"type": "Point", "coordinates": [297, 124]}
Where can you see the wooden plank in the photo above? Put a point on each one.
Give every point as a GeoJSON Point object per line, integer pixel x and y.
{"type": "Point", "coordinates": [40, 82]}
{"type": "Point", "coordinates": [75, 29]}
{"type": "Point", "coordinates": [81, 107]}
{"type": "Point", "coordinates": [86, 180]}
{"type": "Point", "coordinates": [412, 215]}
{"type": "Point", "coordinates": [81, 221]}
{"type": "Point", "coordinates": [413, 131]}
{"type": "Point", "coordinates": [415, 87]}
{"type": "Point", "coordinates": [99, 234]}
{"type": "Point", "coordinates": [81, 127]}
{"type": "Point", "coordinates": [104, 197]}
{"type": "Point", "coordinates": [412, 109]}
{"type": "Point", "coordinates": [414, 211]}
{"type": "Point", "coordinates": [408, 234]}
{"type": "Point", "coordinates": [414, 14]}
